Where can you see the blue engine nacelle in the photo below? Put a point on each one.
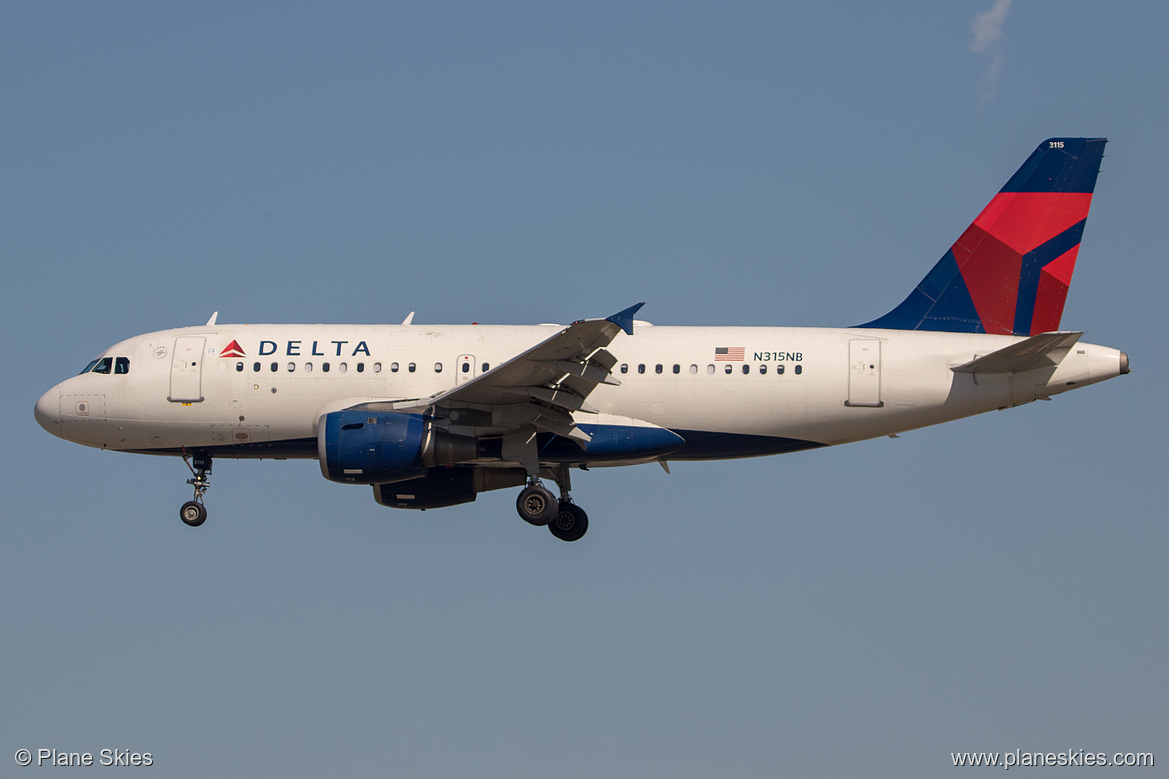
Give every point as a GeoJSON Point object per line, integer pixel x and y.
{"type": "Point", "coordinates": [378, 447]}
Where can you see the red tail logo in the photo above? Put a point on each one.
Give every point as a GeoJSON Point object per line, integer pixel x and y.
{"type": "Point", "coordinates": [1009, 272]}
{"type": "Point", "coordinates": [233, 349]}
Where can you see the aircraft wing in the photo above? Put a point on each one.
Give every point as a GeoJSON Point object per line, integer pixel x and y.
{"type": "Point", "coordinates": [541, 387]}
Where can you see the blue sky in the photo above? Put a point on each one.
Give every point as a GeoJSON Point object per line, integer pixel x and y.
{"type": "Point", "coordinates": [994, 584]}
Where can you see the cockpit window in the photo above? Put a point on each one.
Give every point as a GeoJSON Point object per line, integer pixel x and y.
{"type": "Point", "coordinates": [108, 364]}
{"type": "Point", "coordinates": [89, 367]}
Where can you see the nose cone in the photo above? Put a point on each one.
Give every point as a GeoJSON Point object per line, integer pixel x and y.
{"type": "Point", "coordinates": [48, 411]}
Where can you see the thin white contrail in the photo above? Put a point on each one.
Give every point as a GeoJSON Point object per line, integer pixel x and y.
{"type": "Point", "coordinates": [988, 26]}
{"type": "Point", "coordinates": [988, 32]}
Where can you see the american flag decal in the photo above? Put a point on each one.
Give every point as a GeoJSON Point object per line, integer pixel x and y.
{"type": "Point", "coordinates": [728, 354]}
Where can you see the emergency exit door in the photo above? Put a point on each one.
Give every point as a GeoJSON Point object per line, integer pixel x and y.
{"type": "Point", "coordinates": [465, 368]}
{"type": "Point", "coordinates": [186, 370]}
{"type": "Point", "coordinates": [864, 373]}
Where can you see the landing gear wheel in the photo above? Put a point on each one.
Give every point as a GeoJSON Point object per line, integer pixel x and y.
{"type": "Point", "coordinates": [570, 523]}
{"type": "Point", "coordinates": [192, 513]}
{"type": "Point", "coordinates": [536, 504]}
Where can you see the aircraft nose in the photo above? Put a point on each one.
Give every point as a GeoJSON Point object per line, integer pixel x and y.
{"type": "Point", "coordinates": [48, 411]}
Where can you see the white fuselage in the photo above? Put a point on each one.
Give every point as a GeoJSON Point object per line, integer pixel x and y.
{"type": "Point", "coordinates": [256, 390]}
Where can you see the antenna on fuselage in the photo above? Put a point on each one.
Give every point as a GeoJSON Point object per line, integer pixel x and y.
{"type": "Point", "coordinates": [409, 318]}
{"type": "Point", "coordinates": [211, 321]}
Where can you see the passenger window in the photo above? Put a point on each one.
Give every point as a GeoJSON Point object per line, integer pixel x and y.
{"type": "Point", "coordinates": [624, 367]}
{"type": "Point", "coordinates": [693, 369]}
{"type": "Point", "coordinates": [438, 367]}
{"type": "Point", "coordinates": [308, 367]}
{"type": "Point", "coordinates": [710, 369]}
{"type": "Point", "coordinates": [466, 367]}
{"type": "Point", "coordinates": [677, 368]}
{"type": "Point", "coordinates": [275, 367]}
{"type": "Point", "coordinates": [658, 368]}
{"type": "Point", "coordinates": [486, 367]}
{"type": "Point", "coordinates": [122, 365]}
{"type": "Point", "coordinates": [342, 367]}
{"type": "Point", "coordinates": [361, 367]}
{"type": "Point", "coordinates": [763, 368]}
{"type": "Point", "coordinates": [779, 369]}
{"type": "Point", "coordinates": [729, 368]}
{"type": "Point", "coordinates": [239, 367]}
{"type": "Point", "coordinates": [377, 367]}
{"type": "Point", "coordinates": [104, 365]}
{"type": "Point", "coordinates": [291, 367]}
{"type": "Point", "coordinates": [799, 369]}
{"type": "Point", "coordinates": [256, 367]}
{"type": "Point", "coordinates": [324, 367]}
{"type": "Point", "coordinates": [746, 369]}
{"type": "Point", "coordinates": [411, 367]}
{"type": "Point", "coordinates": [393, 367]}
{"type": "Point", "coordinates": [641, 368]}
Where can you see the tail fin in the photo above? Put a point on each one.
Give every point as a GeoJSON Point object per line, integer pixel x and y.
{"type": "Point", "coordinates": [1009, 272]}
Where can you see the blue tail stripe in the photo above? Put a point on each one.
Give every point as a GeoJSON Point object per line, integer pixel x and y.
{"type": "Point", "coordinates": [1033, 263]}
{"type": "Point", "coordinates": [943, 290]}
{"type": "Point", "coordinates": [1060, 165]}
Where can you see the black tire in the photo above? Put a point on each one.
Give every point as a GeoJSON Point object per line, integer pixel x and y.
{"type": "Point", "coordinates": [536, 505]}
{"type": "Point", "coordinates": [193, 514]}
{"type": "Point", "coordinates": [570, 523]}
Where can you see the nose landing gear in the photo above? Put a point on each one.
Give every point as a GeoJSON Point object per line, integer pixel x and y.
{"type": "Point", "coordinates": [193, 512]}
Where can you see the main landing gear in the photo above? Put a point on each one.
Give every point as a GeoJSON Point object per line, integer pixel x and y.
{"type": "Point", "coordinates": [536, 505]}
{"type": "Point", "coordinates": [193, 512]}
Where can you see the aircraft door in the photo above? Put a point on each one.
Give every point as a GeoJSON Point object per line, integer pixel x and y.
{"type": "Point", "coordinates": [864, 373]}
{"type": "Point", "coordinates": [465, 368]}
{"type": "Point", "coordinates": [186, 370]}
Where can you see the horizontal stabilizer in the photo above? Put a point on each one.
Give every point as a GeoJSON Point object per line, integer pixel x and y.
{"type": "Point", "coordinates": [1039, 351]}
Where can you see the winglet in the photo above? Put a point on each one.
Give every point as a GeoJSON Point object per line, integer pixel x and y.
{"type": "Point", "coordinates": [624, 319]}
{"type": "Point", "coordinates": [409, 319]}
{"type": "Point", "coordinates": [211, 321]}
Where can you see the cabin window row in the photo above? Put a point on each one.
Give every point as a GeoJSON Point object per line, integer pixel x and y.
{"type": "Point", "coordinates": [711, 369]}
{"type": "Point", "coordinates": [342, 367]}
{"type": "Point", "coordinates": [464, 367]}
{"type": "Point", "coordinates": [308, 367]}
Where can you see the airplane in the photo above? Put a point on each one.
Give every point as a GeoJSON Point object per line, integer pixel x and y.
{"type": "Point", "coordinates": [432, 415]}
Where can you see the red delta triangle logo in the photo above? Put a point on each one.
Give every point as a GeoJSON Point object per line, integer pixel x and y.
{"type": "Point", "coordinates": [233, 349]}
